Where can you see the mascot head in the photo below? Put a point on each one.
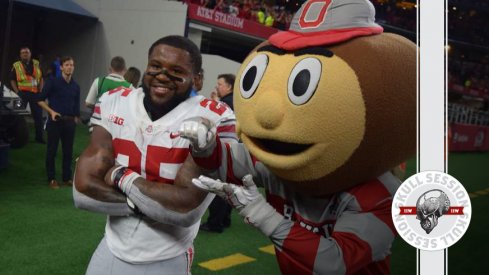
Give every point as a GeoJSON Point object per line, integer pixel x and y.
{"type": "Point", "coordinates": [331, 102]}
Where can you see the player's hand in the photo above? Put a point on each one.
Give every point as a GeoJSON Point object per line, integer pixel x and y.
{"type": "Point", "coordinates": [210, 185]}
{"type": "Point", "coordinates": [109, 176]}
{"type": "Point", "coordinates": [202, 135]}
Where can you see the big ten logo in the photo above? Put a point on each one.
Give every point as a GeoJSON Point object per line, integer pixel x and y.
{"type": "Point", "coordinates": [116, 120]}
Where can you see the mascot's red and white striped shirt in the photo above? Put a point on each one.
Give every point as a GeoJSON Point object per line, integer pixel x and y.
{"type": "Point", "coordinates": [155, 151]}
{"type": "Point", "coordinates": [350, 232]}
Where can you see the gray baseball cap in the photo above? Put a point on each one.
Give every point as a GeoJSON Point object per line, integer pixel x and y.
{"type": "Point", "coordinates": [326, 22]}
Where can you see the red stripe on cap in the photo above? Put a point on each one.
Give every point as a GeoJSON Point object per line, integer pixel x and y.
{"type": "Point", "coordinates": [292, 41]}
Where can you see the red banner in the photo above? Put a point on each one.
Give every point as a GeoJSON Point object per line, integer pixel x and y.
{"type": "Point", "coordinates": [408, 210]}
{"type": "Point", "coordinates": [469, 138]}
{"type": "Point", "coordinates": [411, 210]}
{"type": "Point", "coordinates": [468, 91]}
{"type": "Point", "coordinates": [229, 21]}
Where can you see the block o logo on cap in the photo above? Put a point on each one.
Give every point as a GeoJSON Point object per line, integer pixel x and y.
{"type": "Point", "coordinates": [314, 13]}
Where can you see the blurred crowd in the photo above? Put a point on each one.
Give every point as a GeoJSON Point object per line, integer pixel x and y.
{"type": "Point", "coordinates": [468, 63]}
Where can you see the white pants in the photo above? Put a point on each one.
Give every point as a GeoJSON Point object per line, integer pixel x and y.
{"type": "Point", "coordinates": [103, 262]}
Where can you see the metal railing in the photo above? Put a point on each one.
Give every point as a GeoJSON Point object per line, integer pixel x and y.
{"type": "Point", "coordinates": [462, 114]}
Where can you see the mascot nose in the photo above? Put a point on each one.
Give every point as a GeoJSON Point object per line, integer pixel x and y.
{"type": "Point", "coordinates": [270, 111]}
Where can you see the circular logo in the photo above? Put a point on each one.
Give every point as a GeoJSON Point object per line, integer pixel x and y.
{"type": "Point", "coordinates": [431, 210]}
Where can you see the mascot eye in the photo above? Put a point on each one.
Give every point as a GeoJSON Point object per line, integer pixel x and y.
{"type": "Point", "coordinates": [252, 75]}
{"type": "Point", "coordinates": [303, 80]}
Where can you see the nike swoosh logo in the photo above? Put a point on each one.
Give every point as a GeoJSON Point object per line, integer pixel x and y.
{"type": "Point", "coordinates": [174, 135]}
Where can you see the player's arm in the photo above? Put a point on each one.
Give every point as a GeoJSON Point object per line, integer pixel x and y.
{"type": "Point", "coordinates": [180, 204]}
{"type": "Point", "coordinates": [90, 191]}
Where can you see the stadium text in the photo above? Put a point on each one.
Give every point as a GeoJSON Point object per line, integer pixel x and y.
{"type": "Point", "coordinates": [219, 17]}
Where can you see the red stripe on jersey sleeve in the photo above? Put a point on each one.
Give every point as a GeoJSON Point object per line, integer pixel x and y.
{"type": "Point", "coordinates": [213, 161]}
{"type": "Point", "coordinates": [226, 129]}
{"type": "Point", "coordinates": [230, 173]}
{"type": "Point", "coordinates": [299, 251]}
{"type": "Point", "coordinates": [113, 91]}
{"type": "Point", "coordinates": [370, 194]}
{"type": "Point", "coordinates": [126, 92]}
{"type": "Point", "coordinates": [253, 159]}
{"type": "Point", "coordinates": [383, 213]}
{"type": "Point", "coordinates": [357, 253]}
{"type": "Point", "coordinates": [97, 109]}
{"type": "Point", "coordinates": [374, 197]}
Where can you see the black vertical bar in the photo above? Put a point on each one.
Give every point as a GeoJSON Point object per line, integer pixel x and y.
{"type": "Point", "coordinates": [6, 43]}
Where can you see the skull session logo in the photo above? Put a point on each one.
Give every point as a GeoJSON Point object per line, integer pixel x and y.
{"type": "Point", "coordinates": [431, 210]}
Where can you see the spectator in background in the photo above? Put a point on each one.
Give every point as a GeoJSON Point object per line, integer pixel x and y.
{"type": "Point", "coordinates": [280, 21]}
{"type": "Point", "coordinates": [198, 83]}
{"type": "Point", "coordinates": [56, 67]}
{"type": "Point", "coordinates": [224, 88]}
{"type": "Point", "coordinates": [245, 11]}
{"type": "Point", "coordinates": [63, 94]}
{"type": "Point", "coordinates": [221, 6]}
{"type": "Point", "coordinates": [234, 8]}
{"type": "Point", "coordinates": [133, 75]}
{"type": "Point", "coordinates": [219, 211]}
{"type": "Point", "coordinates": [114, 80]}
{"type": "Point", "coordinates": [26, 80]}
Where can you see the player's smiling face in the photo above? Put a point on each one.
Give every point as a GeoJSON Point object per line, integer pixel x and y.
{"type": "Point", "coordinates": [168, 75]}
{"type": "Point", "coordinates": [302, 113]}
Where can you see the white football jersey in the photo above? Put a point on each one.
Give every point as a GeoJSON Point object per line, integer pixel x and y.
{"type": "Point", "coordinates": [155, 151]}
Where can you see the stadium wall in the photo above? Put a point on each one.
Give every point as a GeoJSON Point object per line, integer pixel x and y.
{"type": "Point", "coordinates": [126, 28]}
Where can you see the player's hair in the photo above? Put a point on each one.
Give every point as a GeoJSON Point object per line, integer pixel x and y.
{"type": "Point", "coordinates": [118, 64]}
{"type": "Point", "coordinates": [183, 43]}
{"type": "Point", "coordinates": [229, 78]}
{"type": "Point", "coordinates": [64, 59]}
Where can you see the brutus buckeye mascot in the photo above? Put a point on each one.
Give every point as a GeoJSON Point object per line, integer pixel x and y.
{"type": "Point", "coordinates": [324, 111]}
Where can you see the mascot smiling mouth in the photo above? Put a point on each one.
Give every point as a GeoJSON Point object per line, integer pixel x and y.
{"type": "Point", "coordinates": [279, 147]}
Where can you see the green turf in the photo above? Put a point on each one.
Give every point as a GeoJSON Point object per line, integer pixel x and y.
{"type": "Point", "coordinates": [42, 233]}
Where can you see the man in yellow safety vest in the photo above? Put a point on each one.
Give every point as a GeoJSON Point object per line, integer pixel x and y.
{"type": "Point", "coordinates": [26, 81]}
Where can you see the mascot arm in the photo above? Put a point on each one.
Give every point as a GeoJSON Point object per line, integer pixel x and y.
{"type": "Point", "coordinates": [358, 240]}
{"type": "Point", "coordinates": [246, 199]}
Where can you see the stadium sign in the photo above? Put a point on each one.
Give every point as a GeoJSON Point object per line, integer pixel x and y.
{"type": "Point", "coordinates": [229, 21]}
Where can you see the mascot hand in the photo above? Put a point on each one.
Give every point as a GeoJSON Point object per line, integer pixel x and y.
{"type": "Point", "coordinates": [210, 185]}
{"type": "Point", "coordinates": [202, 135]}
{"type": "Point", "coordinates": [246, 199]}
